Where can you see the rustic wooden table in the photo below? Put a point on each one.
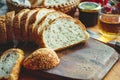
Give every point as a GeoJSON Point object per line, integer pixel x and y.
{"type": "Point", "coordinates": [114, 73]}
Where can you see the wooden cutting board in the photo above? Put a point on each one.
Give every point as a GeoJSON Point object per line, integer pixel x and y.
{"type": "Point", "coordinates": [90, 61]}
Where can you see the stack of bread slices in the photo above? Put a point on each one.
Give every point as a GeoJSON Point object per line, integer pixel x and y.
{"type": "Point", "coordinates": [46, 27]}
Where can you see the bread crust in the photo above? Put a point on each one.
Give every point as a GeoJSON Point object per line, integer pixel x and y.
{"type": "Point", "coordinates": [40, 26]}
{"type": "Point", "coordinates": [25, 22]}
{"type": "Point", "coordinates": [27, 28]}
{"type": "Point", "coordinates": [3, 34]}
{"type": "Point", "coordinates": [43, 44]}
{"type": "Point", "coordinates": [16, 24]}
{"type": "Point", "coordinates": [9, 26]}
{"type": "Point", "coordinates": [14, 74]}
{"type": "Point", "coordinates": [64, 7]}
{"type": "Point", "coordinates": [35, 20]}
{"type": "Point", "coordinates": [42, 58]}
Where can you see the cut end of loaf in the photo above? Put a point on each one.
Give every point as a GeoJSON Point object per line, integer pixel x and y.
{"type": "Point", "coordinates": [62, 33]}
{"type": "Point", "coordinates": [41, 59]}
{"type": "Point", "coordinates": [8, 61]}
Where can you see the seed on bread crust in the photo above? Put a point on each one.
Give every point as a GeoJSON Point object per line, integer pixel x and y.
{"type": "Point", "coordinates": [40, 59]}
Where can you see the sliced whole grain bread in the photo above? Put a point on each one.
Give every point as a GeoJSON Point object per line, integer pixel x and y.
{"type": "Point", "coordinates": [10, 64]}
{"type": "Point", "coordinates": [46, 22]}
{"type": "Point", "coordinates": [25, 22]}
{"type": "Point", "coordinates": [63, 32]}
{"type": "Point", "coordinates": [35, 20]}
{"type": "Point", "coordinates": [47, 27]}
{"type": "Point", "coordinates": [16, 24]}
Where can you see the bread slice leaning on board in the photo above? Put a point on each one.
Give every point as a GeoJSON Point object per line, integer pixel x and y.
{"type": "Point", "coordinates": [46, 22]}
{"type": "Point", "coordinates": [48, 28]}
{"type": "Point", "coordinates": [10, 64]}
{"type": "Point", "coordinates": [63, 32]}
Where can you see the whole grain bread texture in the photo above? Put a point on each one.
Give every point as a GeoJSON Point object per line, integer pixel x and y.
{"type": "Point", "coordinates": [63, 32]}
{"type": "Point", "coordinates": [10, 64]}
{"type": "Point", "coordinates": [35, 20]}
{"type": "Point", "coordinates": [48, 28]}
{"type": "Point", "coordinates": [46, 22]}
{"type": "Point", "coordinates": [41, 59]}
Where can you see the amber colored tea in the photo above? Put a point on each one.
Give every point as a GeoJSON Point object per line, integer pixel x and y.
{"type": "Point", "coordinates": [109, 25]}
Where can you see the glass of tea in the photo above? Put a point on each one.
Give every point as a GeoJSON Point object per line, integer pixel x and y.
{"type": "Point", "coordinates": [109, 23]}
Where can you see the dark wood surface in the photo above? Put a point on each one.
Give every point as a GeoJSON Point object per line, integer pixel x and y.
{"type": "Point", "coordinates": [91, 60]}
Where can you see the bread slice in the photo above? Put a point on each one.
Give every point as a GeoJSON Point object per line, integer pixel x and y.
{"type": "Point", "coordinates": [9, 26]}
{"type": "Point", "coordinates": [62, 33]}
{"type": "Point", "coordinates": [10, 64]}
{"type": "Point", "coordinates": [46, 22]}
{"type": "Point", "coordinates": [40, 59]}
{"type": "Point", "coordinates": [35, 19]}
{"type": "Point", "coordinates": [3, 34]}
{"type": "Point", "coordinates": [16, 24]}
{"type": "Point", "coordinates": [25, 22]}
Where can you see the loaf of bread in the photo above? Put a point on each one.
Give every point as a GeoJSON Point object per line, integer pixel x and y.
{"type": "Point", "coordinates": [10, 64]}
{"type": "Point", "coordinates": [63, 32]}
{"type": "Point", "coordinates": [40, 59]}
{"type": "Point", "coordinates": [46, 27]}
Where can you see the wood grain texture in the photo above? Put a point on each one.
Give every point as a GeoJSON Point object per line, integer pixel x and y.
{"type": "Point", "coordinates": [114, 73]}
{"type": "Point", "coordinates": [75, 62]}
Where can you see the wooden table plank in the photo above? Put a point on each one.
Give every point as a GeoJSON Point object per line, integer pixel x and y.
{"type": "Point", "coordinates": [114, 73]}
